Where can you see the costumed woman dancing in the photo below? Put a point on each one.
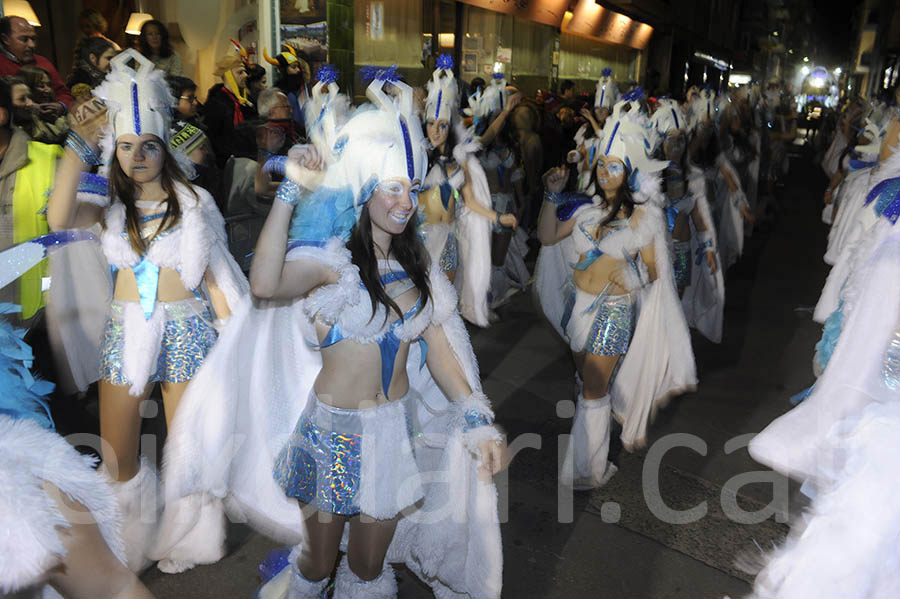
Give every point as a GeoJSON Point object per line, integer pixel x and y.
{"type": "Point", "coordinates": [689, 224]}
{"type": "Point", "coordinates": [166, 240]}
{"type": "Point", "coordinates": [326, 380]}
{"type": "Point", "coordinates": [617, 255]}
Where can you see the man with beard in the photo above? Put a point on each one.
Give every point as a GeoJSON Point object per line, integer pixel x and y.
{"type": "Point", "coordinates": [227, 105]}
{"type": "Point", "coordinates": [294, 73]}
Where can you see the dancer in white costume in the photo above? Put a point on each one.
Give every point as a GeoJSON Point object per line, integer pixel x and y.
{"type": "Point", "coordinates": [59, 516]}
{"type": "Point", "coordinates": [372, 452]}
{"type": "Point", "coordinates": [587, 138]}
{"type": "Point", "coordinates": [689, 224]}
{"type": "Point", "coordinates": [167, 241]}
{"type": "Point", "coordinates": [605, 282]}
{"type": "Point", "coordinates": [456, 199]}
{"type": "Point", "coordinates": [728, 203]}
{"type": "Point", "coordinates": [842, 444]}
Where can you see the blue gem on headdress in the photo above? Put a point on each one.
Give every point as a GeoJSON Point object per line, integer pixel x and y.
{"type": "Point", "coordinates": [444, 61]}
{"type": "Point", "coordinates": [372, 73]}
{"type": "Point", "coordinates": [136, 112]}
{"type": "Point", "coordinates": [499, 76]}
{"type": "Point", "coordinates": [635, 94]}
{"type": "Point", "coordinates": [606, 72]}
{"type": "Point", "coordinates": [327, 73]}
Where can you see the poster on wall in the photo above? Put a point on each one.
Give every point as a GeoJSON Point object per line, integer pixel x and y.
{"type": "Point", "coordinates": [470, 63]}
{"type": "Point", "coordinates": [304, 27]}
{"type": "Point", "coordinates": [504, 54]}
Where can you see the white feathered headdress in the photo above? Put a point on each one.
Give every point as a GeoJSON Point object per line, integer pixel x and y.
{"type": "Point", "coordinates": [669, 116]}
{"type": "Point", "coordinates": [702, 108]}
{"type": "Point", "coordinates": [325, 111]}
{"type": "Point", "coordinates": [443, 100]}
{"type": "Point", "coordinates": [607, 92]}
{"type": "Point", "coordinates": [626, 136]}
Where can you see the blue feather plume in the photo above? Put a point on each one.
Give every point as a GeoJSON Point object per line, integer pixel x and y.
{"type": "Point", "coordinates": [327, 73]}
{"type": "Point", "coordinates": [444, 61]}
{"type": "Point", "coordinates": [499, 75]}
{"type": "Point", "coordinates": [606, 72]}
{"type": "Point", "coordinates": [21, 394]}
{"type": "Point", "coordinates": [373, 73]}
{"type": "Point", "coordinates": [635, 94]}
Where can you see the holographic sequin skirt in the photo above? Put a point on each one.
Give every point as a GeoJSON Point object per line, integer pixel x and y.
{"type": "Point", "coordinates": [322, 463]}
{"type": "Point", "coordinates": [601, 325]}
{"type": "Point", "coordinates": [681, 263]}
{"type": "Point", "coordinates": [450, 253]}
{"type": "Point", "coordinates": [187, 337]}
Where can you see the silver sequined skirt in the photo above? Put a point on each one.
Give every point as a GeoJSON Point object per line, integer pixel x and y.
{"type": "Point", "coordinates": [681, 263]}
{"type": "Point", "coordinates": [327, 462]}
{"type": "Point", "coordinates": [601, 326]}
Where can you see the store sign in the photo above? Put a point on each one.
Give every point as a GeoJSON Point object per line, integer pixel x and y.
{"type": "Point", "coordinates": [548, 12]}
{"type": "Point", "coordinates": [589, 19]}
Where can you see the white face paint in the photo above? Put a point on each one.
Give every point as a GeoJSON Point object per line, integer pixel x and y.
{"type": "Point", "coordinates": [393, 204]}
{"type": "Point", "coordinates": [141, 158]}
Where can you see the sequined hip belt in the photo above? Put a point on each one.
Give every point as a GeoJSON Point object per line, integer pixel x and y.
{"type": "Point", "coordinates": [601, 326]}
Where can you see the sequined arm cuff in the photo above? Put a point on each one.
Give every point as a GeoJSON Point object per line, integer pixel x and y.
{"type": "Point", "coordinates": [552, 197]}
{"type": "Point", "coordinates": [289, 192]}
{"type": "Point", "coordinates": [706, 237]}
{"type": "Point", "coordinates": [82, 149]}
{"type": "Point", "coordinates": [475, 418]}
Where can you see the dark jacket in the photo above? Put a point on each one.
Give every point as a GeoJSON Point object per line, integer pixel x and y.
{"type": "Point", "coordinates": [220, 119]}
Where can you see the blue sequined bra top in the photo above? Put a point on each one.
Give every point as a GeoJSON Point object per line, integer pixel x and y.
{"type": "Point", "coordinates": [390, 341]}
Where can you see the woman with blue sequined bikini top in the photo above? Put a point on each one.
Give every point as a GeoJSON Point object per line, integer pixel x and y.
{"type": "Point", "coordinates": [387, 389]}
{"type": "Point", "coordinates": [165, 241]}
{"type": "Point", "coordinates": [613, 248]}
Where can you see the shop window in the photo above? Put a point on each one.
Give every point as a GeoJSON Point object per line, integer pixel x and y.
{"type": "Point", "coordinates": [388, 32]}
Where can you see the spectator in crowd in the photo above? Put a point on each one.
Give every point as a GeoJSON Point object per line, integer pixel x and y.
{"type": "Point", "coordinates": [274, 136]}
{"type": "Point", "coordinates": [92, 62]}
{"type": "Point", "coordinates": [227, 105]}
{"type": "Point", "coordinates": [27, 169]}
{"type": "Point", "coordinates": [187, 107]}
{"type": "Point", "coordinates": [93, 25]}
{"type": "Point", "coordinates": [256, 82]}
{"type": "Point", "coordinates": [45, 129]}
{"type": "Point", "coordinates": [153, 42]}
{"type": "Point", "coordinates": [18, 43]}
{"type": "Point", "coordinates": [293, 73]}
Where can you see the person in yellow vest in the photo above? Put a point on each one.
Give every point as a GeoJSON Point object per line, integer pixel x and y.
{"type": "Point", "coordinates": [27, 169]}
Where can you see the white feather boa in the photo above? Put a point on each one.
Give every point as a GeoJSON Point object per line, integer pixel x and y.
{"type": "Point", "coordinates": [30, 516]}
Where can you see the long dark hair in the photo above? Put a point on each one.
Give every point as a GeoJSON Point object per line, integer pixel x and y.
{"type": "Point", "coordinates": [624, 197]}
{"type": "Point", "coordinates": [165, 49]}
{"type": "Point", "coordinates": [434, 153]}
{"type": "Point", "coordinates": [406, 247]}
{"type": "Point", "coordinates": [122, 187]}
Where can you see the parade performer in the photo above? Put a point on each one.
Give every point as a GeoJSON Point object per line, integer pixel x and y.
{"type": "Point", "coordinates": [587, 138]}
{"type": "Point", "coordinates": [166, 241]}
{"type": "Point", "coordinates": [841, 444]}
{"type": "Point", "coordinates": [605, 283]}
{"type": "Point", "coordinates": [391, 452]}
{"type": "Point", "coordinates": [689, 223]}
{"type": "Point", "coordinates": [729, 204]}
{"type": "Point", "coordinates": [60, 517]}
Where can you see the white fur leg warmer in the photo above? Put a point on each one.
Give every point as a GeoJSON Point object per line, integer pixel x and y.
{"type": "Point", "coordinates": [142, 343]}
{"type": "Point", "coordinates": [191, 532]}
{"type": "Point", "coordinates": [139, 506]}
{"type": "Point", "coordinates": [585, 465]}
{"type": "Point", "coordinates": [290, 583]}
{"type": "Point", "coordinates": [348, 585]}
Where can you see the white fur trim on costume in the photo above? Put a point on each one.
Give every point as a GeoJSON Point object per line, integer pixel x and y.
{"type": "Point", "coordinates": [585, 465]}
{"type": "Point", "coordinates": [31, 516]}
{"type": "Point", "coordinates": [348, 585]}
{"type": "Point", "coordinates": [191, 532]}
{"type": "Point", "coordinates": [142, 344]}
{"type": "Point", "coordinates": [389, 480]}
{"type": "Point", "coordinates": [139, 505]}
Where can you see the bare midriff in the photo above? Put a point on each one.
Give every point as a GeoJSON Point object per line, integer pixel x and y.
{"type": "Point", "coordinates": [171, 289]}
{"type": "Point", "coordinates": [435, 214]}
{"type": "Point", "coordinates": [595, 278]}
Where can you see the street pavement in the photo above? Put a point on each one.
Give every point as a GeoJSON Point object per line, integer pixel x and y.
{"type": "Point", "coordinates": [608, 543]}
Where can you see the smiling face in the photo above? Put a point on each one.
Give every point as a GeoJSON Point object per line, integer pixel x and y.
{"type": "Point", "coordinates": [437, 131]}
{"type": "Point", "coordinates": [393, 204]}
{"type": "Point", "coordinates": [43, 91]}
{"type": "Point", "coordinates": [610, 174]}
{"type": "Point", "coordinates": [141, 158]}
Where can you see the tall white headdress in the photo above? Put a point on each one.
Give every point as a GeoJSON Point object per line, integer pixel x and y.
{"type": "Point", "coordinates": [702, 107]}
{"type": "Point", "coordinates": [669, 116]}
{"type": "Point", "coordinates": [325, 111]}
{"type": "Point", "coordinates": [443, 100]}
{"type": "Point", "coordinates": [607, 92]}
{"type": "Point", "coordinates": [626, 136]}
{"type": "Point", "coordinates": [138, 101]}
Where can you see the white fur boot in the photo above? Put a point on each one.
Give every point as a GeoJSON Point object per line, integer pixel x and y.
{"type": "Point", "coordinates": [585, 465]}
{"type": "Point", "coordinates": [191, 532]}
{"type": "Point", "coordinates": [291, 584]}
{"type": "Point", "coordinates": [140, 514]}
{"type": "Point", "coordinates": [348, 585]}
